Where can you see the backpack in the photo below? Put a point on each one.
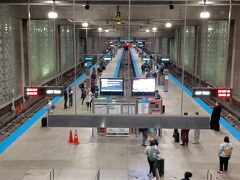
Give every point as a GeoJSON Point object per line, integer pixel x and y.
{"type": "Point", "coordinates": [227, 151]}
{"type": "Point", "coordinates": [153, 154]}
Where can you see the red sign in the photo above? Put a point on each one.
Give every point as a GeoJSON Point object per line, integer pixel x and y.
{"type": "Point", "coordinates": [223, 93]}
{"type": "Point", "coordinates": [32, 91]}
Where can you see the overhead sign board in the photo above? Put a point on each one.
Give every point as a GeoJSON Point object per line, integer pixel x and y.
{"type": "Point", "coordinates": [44, 91]}
{"type": "Point", "coordinates": [88, 58]}
{"type": "Point", "coordinates": [212, 92]}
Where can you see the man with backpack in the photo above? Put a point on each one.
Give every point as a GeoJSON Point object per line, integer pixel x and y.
{"type": "Point", "coordinates": [152, 151]}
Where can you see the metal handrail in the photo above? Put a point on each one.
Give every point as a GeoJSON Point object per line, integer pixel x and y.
{"type": "Point", "coordinates": [210, 175]}
{"type": "Point", "coordinates": [50, 175]}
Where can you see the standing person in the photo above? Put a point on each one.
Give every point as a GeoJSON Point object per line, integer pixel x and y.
{"type": "Point", "coordinates": [215, 117]}
{"type": "Point", "coordinates": [157, 95]}
{"type": "Point", "coordinates": [184, 137]}
{"type": "Point", "coordinates": [196, 134]}
{"type": "Point", "coordinates": [70, 94]}
{"type": "Point", "coordinates": [49, 106]}
{"type": "Point", "coordinates": [82, 85]}
{"type": "Point", "coordinates": [83, 95]}
{"type": "Point", "coordinates": [144, 132]}
{"type": "Point", "coordinates": [65, 94]}
{"type": "Point", "coordinates": [152, 152]}
{"type": "Point", "coordinates": [224, 153]}
{"type": "Point", "coordinates": [187, 176]}
{"type": "Point", "coordinates": [88, 99]}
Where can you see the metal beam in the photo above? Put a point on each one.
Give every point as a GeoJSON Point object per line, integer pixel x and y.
{"type": "Point", "coordinates": [130, 121]}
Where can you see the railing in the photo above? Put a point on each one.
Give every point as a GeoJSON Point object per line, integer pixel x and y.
{"type": "Point", "coordinates": [50, 175]}
{"type": "Point", "coordinates": [210, 175]}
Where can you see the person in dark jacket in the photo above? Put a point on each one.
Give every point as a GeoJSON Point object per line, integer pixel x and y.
{"type": "Point", "coordinates": [70, 94]}
{"type": "Point", "coordinates": [215, 117]}
{"type": "Point", "coordinates": [187, 176]}
{"type": "Point", "coordinates": [83, 95]}
{"type": "Point", "coordinates": [184, 136]}
{"type": "Point", "coordinates": [65, 94]}
{"type": "Point", "coordinates": [82, 86]}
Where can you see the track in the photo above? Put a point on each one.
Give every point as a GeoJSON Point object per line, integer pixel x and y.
{"type": "Point", "coordinates": [229, 111]}
{"type": "Point", "coordinates": [123, 72]}
{"type": "Point", "coordinates": [10, 122]}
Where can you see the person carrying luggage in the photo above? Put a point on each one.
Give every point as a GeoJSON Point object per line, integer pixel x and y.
{"type": "Point", "coordinates": [152, 151]}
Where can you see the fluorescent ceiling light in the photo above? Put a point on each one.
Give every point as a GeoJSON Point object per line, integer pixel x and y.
{"type": "Point", "coordinates": [106, 30]}
{"type": "Point", "coordinates": [52, 15]}
{"type": "Point", "coordinates": [204, 15]}
{"type": "Point", "coordinates": [100, 29]}
{"type": "Point", "coordinates": [168, 25]}
{"type": "Point", "coordinates": [154, 29]}
{"type": "Point", "coordinates": [85, 24]}
{"type": "Point", "coordinates": [147, 30]}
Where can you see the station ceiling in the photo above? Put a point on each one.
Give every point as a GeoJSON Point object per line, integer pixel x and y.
{"type": "Point", "coordinates": [144, 14]}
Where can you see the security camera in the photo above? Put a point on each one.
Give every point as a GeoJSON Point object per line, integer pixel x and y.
{"type": "Point", "coordinates": [171, 6]}
{"type": "Point", "coordinates": [87, 6]}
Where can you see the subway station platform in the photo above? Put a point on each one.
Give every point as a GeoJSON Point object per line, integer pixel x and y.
{"type": "Point", "coordinates": [116, 158]}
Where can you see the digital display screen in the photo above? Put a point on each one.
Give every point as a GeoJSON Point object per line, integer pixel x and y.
{"type": "Point", "coordinates": [165, 58]}
{"type": "Point", "coordinates": [111, 86]}
{"type": "Point", "coordinates": [143, 86]}
{"type": "Point", "coordinates": [107, 58]}
{"type": "Point", "coordinates": [146, 59]}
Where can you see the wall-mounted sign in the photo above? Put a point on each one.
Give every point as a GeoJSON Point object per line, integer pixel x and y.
{"type": "Point", "coordinates": [44, 91]}
{"type": "Point", "coordinates": [212, 92]}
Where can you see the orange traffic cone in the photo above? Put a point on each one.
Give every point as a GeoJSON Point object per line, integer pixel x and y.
{"type": "Point", "coordinates": [70, 141]}
{"type": "Point", "coordinates": [76, 142]}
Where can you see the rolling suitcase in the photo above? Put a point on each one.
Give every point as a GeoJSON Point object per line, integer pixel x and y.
{"type": "Point", "coordinates": [44, 122]}
{"type": "Point", "coordinates": [159, 164]}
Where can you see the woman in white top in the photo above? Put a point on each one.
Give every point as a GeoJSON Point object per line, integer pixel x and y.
{"type": "Point", "coordinates": [224, 153]}
{"type": "Point", "coordinates": [49, 106]}
{"type": "Point", "coordinates": [88, 99]}
{"type": "Point", "coordinates": [152, 152]}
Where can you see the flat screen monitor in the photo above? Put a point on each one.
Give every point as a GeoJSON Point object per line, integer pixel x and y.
{"type": "Point", "coordinates": [143, 87]}
{"type": "Point", "coordinates": [112, 86]}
